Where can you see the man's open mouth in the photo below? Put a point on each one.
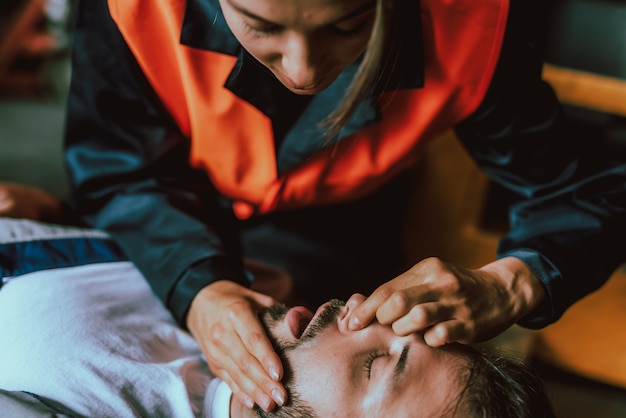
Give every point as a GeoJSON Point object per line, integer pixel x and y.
{"type": "Point", "coordinates": [302, 322]}
{"type": "Point", "coordinates": [298, 319]}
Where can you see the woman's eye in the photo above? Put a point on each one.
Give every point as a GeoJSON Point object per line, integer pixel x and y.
{"type": "Point", "coordinates": [352, 26]}
{"type": "Point", "coordinates": [371, 357]}
{"type": "Point", "coordinates": [262, 29]}
{"type": "Point", "coordinates": [347, 30]}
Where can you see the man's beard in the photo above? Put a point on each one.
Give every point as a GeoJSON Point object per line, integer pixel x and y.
{"type": "Point", "coordinates": [295, 405]}
{"type": "Point", "coordinates": [270, 316]}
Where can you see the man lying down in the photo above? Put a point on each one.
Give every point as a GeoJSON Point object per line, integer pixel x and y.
{"type": "Point", "coordinates": [90, 339]}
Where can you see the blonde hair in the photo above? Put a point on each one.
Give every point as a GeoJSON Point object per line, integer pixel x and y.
{"type": "Point", "coordinates": [368, 77]}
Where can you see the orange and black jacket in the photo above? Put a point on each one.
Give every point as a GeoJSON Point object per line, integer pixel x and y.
{"type": "Point", "coordinates": [169, 118]}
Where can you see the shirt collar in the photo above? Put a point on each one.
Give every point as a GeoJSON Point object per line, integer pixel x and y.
{"type": "Point", "coordinates": [217, 403]}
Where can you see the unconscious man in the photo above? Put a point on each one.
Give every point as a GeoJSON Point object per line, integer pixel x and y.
{"type": "Point", "coordinates": [91, 339]}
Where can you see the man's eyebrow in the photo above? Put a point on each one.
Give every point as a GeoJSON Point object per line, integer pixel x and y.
{"type": "Point", "coordinates": [358, 11]}
{"type": "Point", "coordinates": [401, 365]}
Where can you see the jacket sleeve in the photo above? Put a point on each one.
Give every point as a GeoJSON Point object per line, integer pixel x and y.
{"type": "Point", "coordinates": [128, 165]}
{"type": "Point", "coordinates": [571, 211]}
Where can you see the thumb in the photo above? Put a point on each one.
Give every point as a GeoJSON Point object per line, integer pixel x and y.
{"type": "Point", "coordinates": [365, 312]}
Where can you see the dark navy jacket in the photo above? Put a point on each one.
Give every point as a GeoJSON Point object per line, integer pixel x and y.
{"type": "Point", "coordinates": [128, 163]}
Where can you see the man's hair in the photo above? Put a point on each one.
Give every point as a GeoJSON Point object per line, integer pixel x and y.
{"type": "Point", "coordinates": [501, 385]}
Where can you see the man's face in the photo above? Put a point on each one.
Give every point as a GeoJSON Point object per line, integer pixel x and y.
{"type": "Point", "coordinates": [370, 372]}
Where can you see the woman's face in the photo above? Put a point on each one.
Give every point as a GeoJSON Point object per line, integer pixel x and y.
{"type": "Point", "coordinates": [305, 43]}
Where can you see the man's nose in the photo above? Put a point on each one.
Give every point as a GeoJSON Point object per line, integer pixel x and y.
{"type": "Point", "coordinates": [345, 314]}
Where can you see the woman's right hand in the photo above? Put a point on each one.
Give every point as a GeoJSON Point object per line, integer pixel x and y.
{"type": "Point", "coordinates": [223, 318]}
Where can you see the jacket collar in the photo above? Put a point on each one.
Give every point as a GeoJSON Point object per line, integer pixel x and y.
{"type": "Point", "coordinates": [204, 27]}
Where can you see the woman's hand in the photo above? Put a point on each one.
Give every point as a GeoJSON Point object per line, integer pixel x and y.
{"type": "Point", "coordinates": [223, 318]}
{"type": "Point", "coordinates": [26, 202]}
{"type": "Point", "coordinates": [451, 304]}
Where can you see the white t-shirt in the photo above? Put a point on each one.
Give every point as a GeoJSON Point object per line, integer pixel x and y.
{"type": "Point", "coordinates": [95, 339]}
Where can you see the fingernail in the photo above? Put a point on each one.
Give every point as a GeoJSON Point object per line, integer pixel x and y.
{"type": "Point", "coordinates": [278, 397]}
{"type": "Point", "coordinates": [354, 323]}
{"type": "Point", "coordinates": [274, 373]}
{"type": "Point", "coordinates": [264, 402]}
{"type": "Point", "coordinates": [248, 402]}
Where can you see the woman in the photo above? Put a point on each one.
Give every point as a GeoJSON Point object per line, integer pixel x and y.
{"type": "Point", "coordinates": [204, 132]}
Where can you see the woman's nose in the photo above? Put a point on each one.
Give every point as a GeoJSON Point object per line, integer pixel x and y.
{"type": "Point", "coordinates": [300, 63]}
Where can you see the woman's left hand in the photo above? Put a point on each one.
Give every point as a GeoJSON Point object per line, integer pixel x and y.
{"type": "Point", "coordinates": [451, 304]}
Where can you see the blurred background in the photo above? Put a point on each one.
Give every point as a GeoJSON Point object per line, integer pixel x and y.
{"type": "Point", "coordinates": [583, 357]}
{"type": "Point", "coordinates": [35, 48]}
